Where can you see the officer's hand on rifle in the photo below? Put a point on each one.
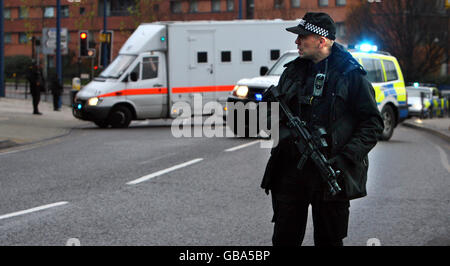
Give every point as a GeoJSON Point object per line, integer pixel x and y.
{"type": "Point", "coordinates": [338, 162]}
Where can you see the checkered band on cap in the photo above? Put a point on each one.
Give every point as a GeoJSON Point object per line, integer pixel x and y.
{"type": "Point", "coordinates": [316, 29]}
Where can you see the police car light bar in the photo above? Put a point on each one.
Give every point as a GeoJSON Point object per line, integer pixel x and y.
{"type": "Point", "coordinates": [366, 47]}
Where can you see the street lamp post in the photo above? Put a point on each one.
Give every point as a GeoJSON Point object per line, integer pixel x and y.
{"type": "Point", "coordinates": [240, 10]}
{"type": "Point", "coordinates": [105, 26]}
{"type": "Point", "coordinates": [58, 41]}
{"type": "Point", "coordinates": [2, 55]}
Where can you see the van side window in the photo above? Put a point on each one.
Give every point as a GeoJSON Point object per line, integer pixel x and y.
{"type": "Point", "coordinates": [202, 57]}
{"type": "Point", "coordinates": [150, 67]}
{"type": "Point", "coordinates": [246, 56]}
{"type": "Point", "coordinates": [391, 71]}
{"type": "Point", "coordinates": [274, 54]}
{"type": "Point", "coordinates": [374, 69]}
{"type": "Point", "coordinates": [226, 56]}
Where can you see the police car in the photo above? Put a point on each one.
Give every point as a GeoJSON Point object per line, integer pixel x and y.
{"type": "Point", "coordinates": [383, 71]}
{"type": "Point", "coordinates": [419, 100]}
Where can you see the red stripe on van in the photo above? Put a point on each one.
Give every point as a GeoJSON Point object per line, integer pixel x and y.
{"type": "Point", "coordinates": [129, 92]}
{"type": "Point", "coordinates": [202, 89]}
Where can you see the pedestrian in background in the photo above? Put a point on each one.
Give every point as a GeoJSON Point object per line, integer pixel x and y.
{"type": "Point", "coordinates": [57, 90]}
{"type": "Point", "coordinates": [37, 84]}
{"type": "Point", "coordinates": [325, 87]}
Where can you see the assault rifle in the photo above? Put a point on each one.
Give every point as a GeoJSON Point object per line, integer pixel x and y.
{"type": "Point", "coordinates": [308, 144]}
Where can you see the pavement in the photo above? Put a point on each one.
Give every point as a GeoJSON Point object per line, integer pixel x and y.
{"type": "Point", "coordinates": [18, 126]}
{"type": "Point", "coordinates": [439, 127]}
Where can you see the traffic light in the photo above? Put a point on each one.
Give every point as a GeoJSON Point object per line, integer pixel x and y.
{"type": "Point", "coordinates": [106, 40]}
{"type": "Point", "coordinates": [84, 43]}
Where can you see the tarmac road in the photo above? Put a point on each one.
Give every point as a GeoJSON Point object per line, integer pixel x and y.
{"type": "Point", "coordinates": [213, 201]}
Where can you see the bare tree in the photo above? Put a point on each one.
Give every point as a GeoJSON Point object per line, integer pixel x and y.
{"type": "Point", "coordinates": [415, 31]}
{"type": "Point", "coordinates": [143, 11]}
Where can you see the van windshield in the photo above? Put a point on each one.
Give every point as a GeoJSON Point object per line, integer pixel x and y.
{"type": "Point", "coordinates": [118, 66]}
{"type": "Point", "coordinates": [278, 68]}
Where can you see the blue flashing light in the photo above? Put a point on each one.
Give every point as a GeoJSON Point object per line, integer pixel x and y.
{"type": "Point", "coordinates": [79, 106]}
{"type": "Point", "coordinates": [163, 38]}
{"type": "Point", "coordinates": [416, 84]}
{"type": "Point", "coordinates": [367, 47]}
{"type": "Point", "coordinates": [258, 96]}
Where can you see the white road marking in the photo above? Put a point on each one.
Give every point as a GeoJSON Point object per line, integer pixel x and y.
{"type": "Point", "coordinates": [165, 171]}
{"type": "Point", "coordinates": [443, 156]}
{"type": "Point", "coordinates": [6, 216]}
{"type": "Point", "coordinates": [157, 158]}
{"type": "Point", "coordinates": [243, 146]}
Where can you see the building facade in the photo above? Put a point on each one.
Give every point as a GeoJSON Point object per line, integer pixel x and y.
{"type": "Point", "coordinates": [25, 19]}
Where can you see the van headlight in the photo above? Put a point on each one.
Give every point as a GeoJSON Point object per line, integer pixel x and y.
{"type": "Point", "coordinates": [93, 101]}
{"type": "Point", "coordinates": [241, 91]}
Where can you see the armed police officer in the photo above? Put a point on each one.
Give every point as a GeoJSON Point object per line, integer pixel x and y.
{"type": "Point", "coordinates": [326, 88]}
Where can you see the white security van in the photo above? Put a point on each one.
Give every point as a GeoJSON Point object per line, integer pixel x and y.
{"type": "Point", "coordinates": [383, 71]}
{"type": "Point", "coordinates": [164, 63]}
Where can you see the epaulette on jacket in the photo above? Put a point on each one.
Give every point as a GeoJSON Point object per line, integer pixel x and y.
{"type": "Point", "coordinates": [353, 65]}
{"type": "Point", "coordinates": [294, 66]}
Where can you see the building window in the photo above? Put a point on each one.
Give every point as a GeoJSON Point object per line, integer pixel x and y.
{"type": "Point", "coordinates": [323, 2]}
{"type": "Point", "coordinates": [340, 29]}
{"type": "Point", "coordinates": [279, 3]}
{"type": "Point", "coordinates": [246, 56]}
{"type": "Point", "coordinates": [295, 3]}
{"type": "Point", "coordinates": [23, 12]}
{"type": "Point", "coordinates": [175, 7]}
{"type": "Point", "coordinates": [7, 13]}
{"type": "Point", "coordinates": [156, 8]}
{"type": "Point", "coordinates": [49, 12]}
{"type": "Point", "coordinates": [64, 11]}
{"type": "Point", "coordinates": [230, 5]}
{"type": "Point", "coordinates": [8, 37]}
{"type": "Point", "coordinates": [341, 2]}
{"type": "Point", "coordinates": [215, 5]}
{"type": "Point", "coordinates": [23, 38]}
{"type": "Point", "coordinates": [226, 56]}
{"type": "Point", "coordinates": [193, 6]}
{"type": "Point", "coordinates": [274, 54]}
{"type": "Point", "coordinates": [116, 7]}
{"type": "Point", "coordinates": [82, 10]}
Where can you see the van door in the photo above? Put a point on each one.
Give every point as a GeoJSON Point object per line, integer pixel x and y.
{"type": "Point", "coordinates": [201, 64]}
{"type": "Point", "coordinates": [149, 91]}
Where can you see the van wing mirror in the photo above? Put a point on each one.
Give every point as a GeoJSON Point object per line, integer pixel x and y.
{"type": "Point", "coordinates": [133, 76]}
{"type": "Point", "coordinates": [263, 70]}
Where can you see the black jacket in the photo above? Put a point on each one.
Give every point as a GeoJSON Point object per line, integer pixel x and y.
{"type": "Point", "coordinates": [36, 79]}
{"type": "Point", "coordinates": [354, 122]}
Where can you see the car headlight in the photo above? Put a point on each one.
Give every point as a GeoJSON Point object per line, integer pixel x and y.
{"type": "Point", "coordinates": [93, 101]}
{"type": "Point", "coordinates": [417, 106]}
{"type": "Point", "coordinates": [241, 91]}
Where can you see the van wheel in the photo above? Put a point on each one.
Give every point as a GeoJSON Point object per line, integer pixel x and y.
{"type": "Point", "coordinates": [389, 122]}
{"type": "Point", "coordinates": [120, 117]}
{"type": "Point", "coordinates": [102, 124]}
